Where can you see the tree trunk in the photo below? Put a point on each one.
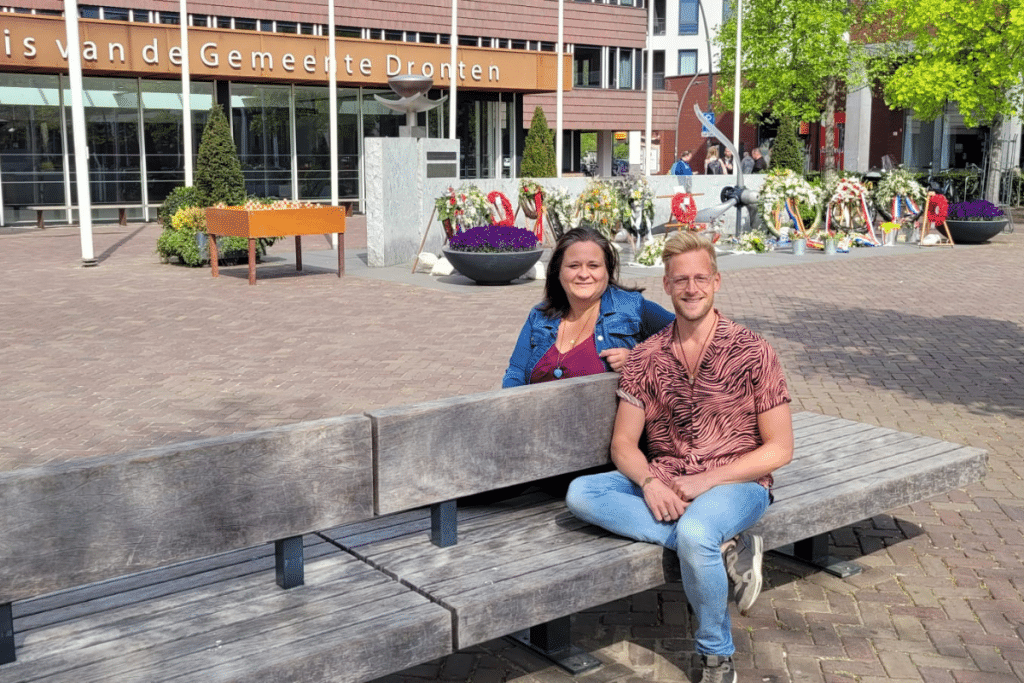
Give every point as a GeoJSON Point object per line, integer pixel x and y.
{"type": "Point", "coordinates": [831, 88]}
{"type": "Point", "coordinates": [995, 161]}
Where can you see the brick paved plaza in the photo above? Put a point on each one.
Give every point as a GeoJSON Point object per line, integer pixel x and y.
{"type": "Point", "coordinates": [135, 353]}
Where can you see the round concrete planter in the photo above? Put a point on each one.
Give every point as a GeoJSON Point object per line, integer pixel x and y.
{"type": "Point", "coordinates": [497, 268]}
{"type": "Point", "coordinates": [975, 232]}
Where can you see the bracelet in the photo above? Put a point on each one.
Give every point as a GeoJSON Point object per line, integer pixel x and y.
{"type": "Point", "coordinates": [646, 481]}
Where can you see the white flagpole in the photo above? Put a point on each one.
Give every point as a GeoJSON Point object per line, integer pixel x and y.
{"type": "Point", "coordinates": [78, 130]}
{"type": "Point", "coordinates": [186, 92]}
{"type": "Point", "coordinates": [737, 162]}
{"type": "Point", "coordinates": [332, 118]}
{"type": "Point", "coordinates": [650, 92]}
{"type": "Point", "coordinates": [453, 72]}
{"type": "Point", "coordinates": [559, 142]}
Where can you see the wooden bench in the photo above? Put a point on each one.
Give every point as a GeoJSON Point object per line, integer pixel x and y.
{"type": "Point", "coordinates": [400, 571]}
{"type": "Point", "coordinates": [197, 612]}
{"type": "Point", "coordinates": [122, 209]}
{"type": "Point", "coordinates": [530, 563]}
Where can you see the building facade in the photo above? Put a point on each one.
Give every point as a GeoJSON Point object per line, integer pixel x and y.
{"type": "Point", "coordinates": [266, 63]}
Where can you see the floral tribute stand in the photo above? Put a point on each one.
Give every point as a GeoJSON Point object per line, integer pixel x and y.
{"type": "Point", "coordinates": [936, 209]}
{"type": "Point", "coordinates": [253, 222]}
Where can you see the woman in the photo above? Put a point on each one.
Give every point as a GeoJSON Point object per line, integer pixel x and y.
{"type": "Point", "coordinates": [587, 322]}
{"type": "Point", "coordinates": [712, 165]}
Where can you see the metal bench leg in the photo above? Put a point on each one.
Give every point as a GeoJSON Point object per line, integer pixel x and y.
{"type": "Point", "coordinates": [289, 562]}
{"type": "Point", "coordinates": [6, 634]}
{"type": "Point", "coordinates": [553, 640]}
{"type": "Point", "coordinates": [444, 524]}
{"type": "Point", "coordinates": [814, 552]}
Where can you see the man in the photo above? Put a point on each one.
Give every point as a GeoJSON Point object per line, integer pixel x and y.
{"type": "Point", "coordinates": [712, 400]}
{"type": "Point", "coordinates": [682, 165]}
{"type": "Point", "coordinates": [760, 164]}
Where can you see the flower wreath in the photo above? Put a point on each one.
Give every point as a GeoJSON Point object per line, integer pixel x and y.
{"type": "Point", "coordinates": [506, 207]}
{"type": "Point", "coordinates": [938, 209]}
{"type": "Point", "coordinates": [684, 214]}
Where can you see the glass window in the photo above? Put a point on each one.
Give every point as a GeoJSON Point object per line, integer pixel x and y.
{"type": "Point", "coordinates": [688, 17]}
{"type": "Point", "coordinates": [469, 41]}
{"type": "Point", "coordinates": [89, 11]}
{"type": "Point", "coordinates": [659, 17]}
{"type": "Point", "coordinates": [200, 20]}
{"type": "Point", "coordinates": [547, 47]}
{"type": "Point", "coordinates": [162, 125]}
{"type": "Point", "coordinates": [142, 16]}
{"type": "Point", "coordinates": [313, 145]}
{"type": "Point", "coordinates": [115, 14]}
{"type": "Point", "coordinates": [170, 18]}
{"type": "Point", "coordinates": [428, 37]}
{"type": "Point", "coordinates": [625, 68]}
{"type": "Point", "coordinates": [347, 32]}
{"type": "Point", "coordinates": [393, 35]}
{"type": "Point", "coordinates": [223, 22]}
{"type": "Point", "coordinates": [586, 67]}
{"type": "Point", "coordinates": [260, 124]}
{"type": "Point", "coordinates": [243, 24]}
{"type": "Point", "coordinates": [267, 25]}
{"type": "Point", "coordinates": [309, 29]}
{"type": "Point", "coordinates": [687, 62]}
{"type": "Point", "coordinates": [727, 9]}
{"type": "Point", "coordinates": [112, 131]}
{"type": "Point", "coordinates": [287, 27]}
{"type": "Point", "coordinates": [31, 143]}
{"type": "Point", "coordinates": [518, 44]}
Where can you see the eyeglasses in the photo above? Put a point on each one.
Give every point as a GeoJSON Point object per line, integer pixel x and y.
{"type": "Point", "coordinates": [699, 281]}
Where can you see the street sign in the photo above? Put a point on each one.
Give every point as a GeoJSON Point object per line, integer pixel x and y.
{"type": "Point", "coordinates": [704, 132]}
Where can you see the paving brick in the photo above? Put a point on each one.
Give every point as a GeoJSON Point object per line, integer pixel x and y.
{"type": "Point", "coordinates": [134, 353]}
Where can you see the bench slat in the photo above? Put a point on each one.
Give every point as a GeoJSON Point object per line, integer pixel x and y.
{"type": "Point", "coordinates": [444, 443]}
{"type": "Point", "coordinates": [86, 520]}
{"type": "Point", "coordinates": [241, 630]}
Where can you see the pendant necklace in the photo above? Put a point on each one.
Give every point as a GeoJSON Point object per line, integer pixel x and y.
{"type": "Point", "coordinates": [559, 371]}
{"type": "Point", "coordinates": [686, 362]}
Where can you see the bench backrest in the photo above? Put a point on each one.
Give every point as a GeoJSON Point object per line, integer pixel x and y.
{"type": "Point", "coordinates": [441, 450]}
{"type": "Point", "coordinates": [96, 518]}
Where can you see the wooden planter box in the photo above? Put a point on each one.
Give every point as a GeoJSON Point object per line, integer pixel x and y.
{"type": "Point", "coordinates": [238, 222]}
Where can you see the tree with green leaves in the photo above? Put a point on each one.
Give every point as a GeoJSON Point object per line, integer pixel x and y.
{"type": "Point", "coordinates": [218, 175]}
{"type": "Point", "coordinates": [795, 59]}
{"type": "Point", "coordinates": [788, 150]}
{"type": "Point", "coordinates": [950, 51]}
{"type": "Point", "coordinates": [539, 150]}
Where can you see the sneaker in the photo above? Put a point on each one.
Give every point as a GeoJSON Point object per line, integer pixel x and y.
{"type": "Point", "coordinates": [717, 669]}
{"type": "Point", "coordinates": [743, 558]}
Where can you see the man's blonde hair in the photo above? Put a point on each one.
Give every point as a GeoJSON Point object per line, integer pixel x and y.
{"type": "Point", "coordinates": [683, 242]}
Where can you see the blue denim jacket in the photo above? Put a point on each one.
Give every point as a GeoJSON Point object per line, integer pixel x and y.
{"type": "Point", "coordinates": [626, 319]}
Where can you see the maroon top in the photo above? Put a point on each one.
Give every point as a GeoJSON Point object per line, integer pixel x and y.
{"type": "Point", "coordinates": [579, 361]}
{"type": "Point", "coordinates": [694, 428]}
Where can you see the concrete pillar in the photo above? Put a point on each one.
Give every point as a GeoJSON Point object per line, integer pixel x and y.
{"type": "Point", "coordinates": [605, 147]}
{"type": "Point", "coordinates": [858, 131]}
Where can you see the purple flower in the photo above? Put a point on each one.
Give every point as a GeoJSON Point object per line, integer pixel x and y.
{"type": "Point", "coordinates": [493, 238]}
{"type": "Point", "coordinates": [979, 210]}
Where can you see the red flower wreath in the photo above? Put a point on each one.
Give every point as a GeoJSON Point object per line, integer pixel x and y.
{"type": "Point", "coordinates": [938, 209]}
{"type": "Point", "coordinates": [684, 214]}
{"type": "Point", "coordinates": [506, 207]}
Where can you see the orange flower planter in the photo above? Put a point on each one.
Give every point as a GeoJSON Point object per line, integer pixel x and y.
{"type": "Point", "coordinates": [237, 221]}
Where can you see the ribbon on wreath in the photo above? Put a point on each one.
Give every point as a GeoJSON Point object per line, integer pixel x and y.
{"type": "Point", "coordinates": [902, 207]}
{"type": "Point", "coordinates": [798, 223]}
{"type": "Point", "coordinates": [538, 201]}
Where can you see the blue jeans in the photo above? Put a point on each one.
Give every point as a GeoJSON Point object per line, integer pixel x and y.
{"type": "Point", "coordinates": [610, 500]}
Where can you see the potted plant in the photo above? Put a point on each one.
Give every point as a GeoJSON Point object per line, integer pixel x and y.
{"type": "Point", "coordinates": [975, 222]}
{"type": "Point", "coordinates": [493, 254]}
